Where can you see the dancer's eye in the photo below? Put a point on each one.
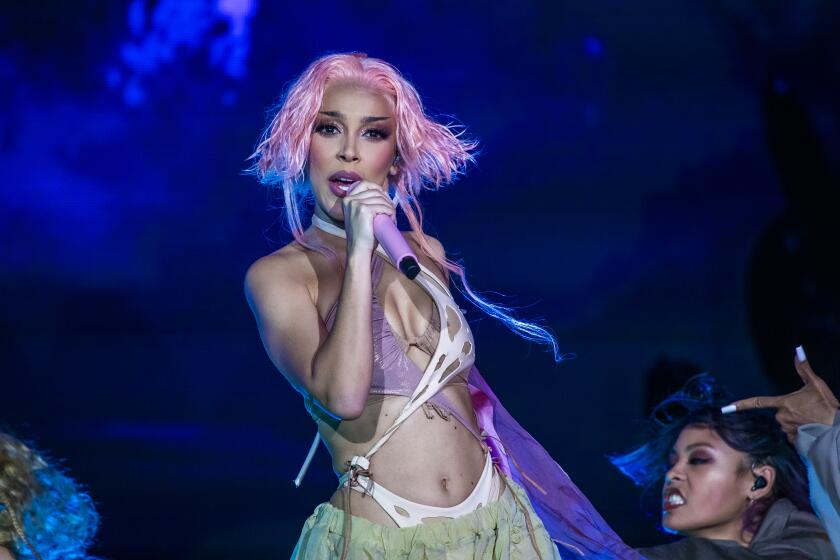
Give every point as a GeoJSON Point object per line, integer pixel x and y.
{"type": "Point", "coordinates": [699, 460]}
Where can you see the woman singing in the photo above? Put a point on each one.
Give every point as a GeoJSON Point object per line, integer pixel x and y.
{"type": "Point", "coordinates": [430, 464]}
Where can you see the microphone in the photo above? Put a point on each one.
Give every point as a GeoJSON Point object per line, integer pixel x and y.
{"type": "Point", "coordinates": [394, 243]}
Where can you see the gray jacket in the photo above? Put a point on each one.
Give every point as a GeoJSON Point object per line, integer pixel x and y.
{"type": "Point", "coordinates": [819, 445]}
{"type": "Point", "coordinates": [785, 534]}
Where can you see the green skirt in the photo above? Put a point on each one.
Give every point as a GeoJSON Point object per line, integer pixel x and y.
{"type": "Point", "coordinates": [497, 531]}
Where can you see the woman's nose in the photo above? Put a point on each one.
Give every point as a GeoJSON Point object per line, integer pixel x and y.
{"type": "Point", "coordinates": [674, 473]}
{"type": "Point", "coordinates": [348, 152]}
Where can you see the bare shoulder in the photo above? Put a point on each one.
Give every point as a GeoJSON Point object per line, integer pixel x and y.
{"type": "Point", "coordinates": [437, 250]}
{"type": "Point", "coordinates": [282, 271]}
{"type": "Point", "coordinates": [436, 245]}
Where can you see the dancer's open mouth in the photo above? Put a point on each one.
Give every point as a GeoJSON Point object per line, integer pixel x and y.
{"type": "Point", "coordinates": [672, 499]}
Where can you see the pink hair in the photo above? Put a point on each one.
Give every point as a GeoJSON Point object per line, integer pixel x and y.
{"type": "Point", "coordinates": [431, 155]}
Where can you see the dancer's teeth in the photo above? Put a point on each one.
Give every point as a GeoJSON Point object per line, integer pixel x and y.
{"type": "Point", "coordinates": [676, 500]}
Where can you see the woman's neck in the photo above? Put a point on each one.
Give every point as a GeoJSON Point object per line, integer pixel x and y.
{"type": "Point", "coordinates": [326, 218]}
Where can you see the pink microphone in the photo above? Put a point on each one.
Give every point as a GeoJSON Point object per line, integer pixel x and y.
{"type": "Point", "coordinates": [394, 243]}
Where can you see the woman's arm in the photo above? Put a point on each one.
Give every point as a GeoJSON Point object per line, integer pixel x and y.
{"type": "Point", "coordinates": [810, 418]}
{"type": "Point", "coordinates": [334, 367]}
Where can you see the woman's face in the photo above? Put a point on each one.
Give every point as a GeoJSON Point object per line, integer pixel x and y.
{"type": "Point", "coordinates": [354, 138]}
{"type": "Point", "coordinates": [707, 488]}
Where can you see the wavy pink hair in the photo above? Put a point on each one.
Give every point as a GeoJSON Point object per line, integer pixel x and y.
{"type": "Point", "coordinates": [431, 155]}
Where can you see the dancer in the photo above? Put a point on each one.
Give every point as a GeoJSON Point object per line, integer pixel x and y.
{"type": "Point", "coordinates": [430, 463]}
{"type": "Point", "coordinates": [43, 513]}
{"type": "Point", "coordinates": [734, 485]}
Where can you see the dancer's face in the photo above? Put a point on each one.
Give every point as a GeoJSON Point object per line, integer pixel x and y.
{"type": "Point", "coordinates": [355, 132]}
{"type": "Point", "coordinates": [708, 487]}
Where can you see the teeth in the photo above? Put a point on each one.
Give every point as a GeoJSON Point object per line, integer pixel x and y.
{"type": "Point", "coordinates": [676, 500]}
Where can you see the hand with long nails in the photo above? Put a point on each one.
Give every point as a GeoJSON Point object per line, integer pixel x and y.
{"type": "Point", "coordinates": [813, 403]}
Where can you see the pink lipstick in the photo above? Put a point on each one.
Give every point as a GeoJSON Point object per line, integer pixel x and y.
{"type": "Point", "coordinates": [342, 181]}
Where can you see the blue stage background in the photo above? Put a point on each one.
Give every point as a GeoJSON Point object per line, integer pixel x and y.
{"type": "Point", "coordinates": [633, 164]}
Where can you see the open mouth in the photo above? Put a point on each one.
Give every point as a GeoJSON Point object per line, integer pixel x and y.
{"type": "Point", "coordinates": [342, 182]}
{"type": "Point", "coordinates": [672, 500]}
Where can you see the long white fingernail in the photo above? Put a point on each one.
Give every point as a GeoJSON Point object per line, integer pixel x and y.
{"type": "Point", "coordinates": [800, 354]}
{"type": "Point", "coordinates": [728, 409]}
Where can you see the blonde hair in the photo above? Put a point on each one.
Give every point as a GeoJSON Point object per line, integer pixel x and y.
{"type": "Point", "coordinates": [44, 515]}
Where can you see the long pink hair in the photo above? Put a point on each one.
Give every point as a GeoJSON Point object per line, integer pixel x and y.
{"type": "Point", "coordinates": [431, 155]}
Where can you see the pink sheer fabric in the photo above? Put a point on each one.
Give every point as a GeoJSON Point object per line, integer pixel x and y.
{"type": "Point", "coordinates": [394, 373]}
{"type": "Point", "coordinates": [571, 520]}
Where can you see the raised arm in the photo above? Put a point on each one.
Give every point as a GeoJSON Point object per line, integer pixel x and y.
{"type": "Point", "coordinates": [334, 367]}
{"type": "Point", "coordinates": [810, 418]}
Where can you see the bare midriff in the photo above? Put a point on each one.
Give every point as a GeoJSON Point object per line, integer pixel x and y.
{"type": "Point", "coordinates": [429, 459]}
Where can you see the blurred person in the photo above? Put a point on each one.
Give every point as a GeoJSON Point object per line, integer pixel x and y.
{"type": "Point", "coordinates": [44, 515]}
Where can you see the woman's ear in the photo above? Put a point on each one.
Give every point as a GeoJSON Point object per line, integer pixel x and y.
{"type": "Point", "coordinates": [765, 478]}
{"type": "Point", "coordinates": [394, 170]}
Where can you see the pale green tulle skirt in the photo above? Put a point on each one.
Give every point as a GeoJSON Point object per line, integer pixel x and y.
{"type": "Point", "coordinates": [497, 531]}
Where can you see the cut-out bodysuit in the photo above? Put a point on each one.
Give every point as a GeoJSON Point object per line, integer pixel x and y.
{"type": "Point", "coordinates": [394, 373]}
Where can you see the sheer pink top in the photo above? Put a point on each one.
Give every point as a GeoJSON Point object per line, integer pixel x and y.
{"type": "Point", "coordinates": [394, 373]}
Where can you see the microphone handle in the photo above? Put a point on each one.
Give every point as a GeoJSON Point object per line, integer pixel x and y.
{"type": "Point", "coordinates": [395, 245]}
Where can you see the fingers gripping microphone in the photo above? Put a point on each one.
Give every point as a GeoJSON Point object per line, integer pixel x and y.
{"type": "Point", "coordinates": [394, 243]}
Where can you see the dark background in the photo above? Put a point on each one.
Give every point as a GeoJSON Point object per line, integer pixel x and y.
{"type": "Point", "coordinates": [658, 181]}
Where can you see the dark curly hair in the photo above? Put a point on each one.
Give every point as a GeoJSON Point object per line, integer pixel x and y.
{"type": "Point", "coordinates": [44, 515]}
{"type": "Point", "coordinates": [753, 432]}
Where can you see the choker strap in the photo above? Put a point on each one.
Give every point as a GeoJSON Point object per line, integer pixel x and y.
{"type": "Point", "coordinates": [327, 227]}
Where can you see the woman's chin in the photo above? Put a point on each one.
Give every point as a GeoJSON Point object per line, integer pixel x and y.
{"type": "Point", "coordinates": [673, 526]}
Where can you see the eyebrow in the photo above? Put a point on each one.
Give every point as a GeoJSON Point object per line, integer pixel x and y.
{"type": "Point", "coordinates": [699, 444]}
{"type": "Point", "coordinates": [340, 115]}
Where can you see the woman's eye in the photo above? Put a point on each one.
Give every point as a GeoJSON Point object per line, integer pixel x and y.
{"type": "Point", "coordinates": [327, 129]}
{"type": "Point", "coordinates": [377, 133]}
{"type": "Point", "coordinates": [698, 461]}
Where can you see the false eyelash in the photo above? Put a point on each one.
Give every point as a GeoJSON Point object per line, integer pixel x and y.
{"type": "Point", "coordinates": [382, 133]}
{"type": "Point", "coordinates": [323, 126]}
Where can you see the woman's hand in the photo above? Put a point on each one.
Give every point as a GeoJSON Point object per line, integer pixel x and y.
{"type": "Point", "coordinates": [813, 403]}
{"type": "Point", "coordinates": [364, 201]}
